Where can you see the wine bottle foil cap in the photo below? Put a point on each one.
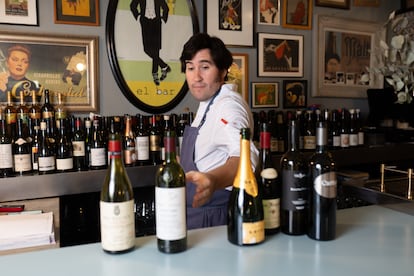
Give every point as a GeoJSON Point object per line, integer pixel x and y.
{"type": "Point", "coordinates": [114, 146]}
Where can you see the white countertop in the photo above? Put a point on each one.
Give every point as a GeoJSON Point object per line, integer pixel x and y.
{"type": "Point", "coordinates": [370, 241]}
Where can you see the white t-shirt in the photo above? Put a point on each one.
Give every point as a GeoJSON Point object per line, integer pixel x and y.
{"type": "Point", "coordinates": [219, 137]}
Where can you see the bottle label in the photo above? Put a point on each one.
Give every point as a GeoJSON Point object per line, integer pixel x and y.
{"type": "Point", "coordinates": [273, 145]}
{"type": "Point", "coordinates": [117, 225]}
{"type": "Point", "coordinates": [294, 190]}
{"type": "Point", "coordinates": [360, 138]}
{"type": "Point", "coordinates": [20, 141]}
{"type": "Point", "coordinates": [78, 148]}
{"type": "Point", "coordinates": [46, 163]}
{"type": "Point", "coordinates": [6, 157]}
{"type": "Point", "coordinates": [353, 140]}
{"type": "Point", "coordinates": [129, 155]}
{"type": "Point", "coordinates": [155, 143]}
{"type": "Point", "coordinates": [344, 140]}
{"type": "Point", "coordinates": [11, 118]}
{"type": "Point", "coordinates": [64, 164]}
{"type": "Point", "coordinates": [325, 185]}
{"type": "Point", "coordinates": [22, 162]}
{"type": "Point", "coordinates": [35, 156]}
{"type": "Point", "coordinates": [142, 147]}
{"type": "Point", "coordinates": [337, 141]}
{"type": "Point", "coordinates": [271, 211]}
{"type": "Point", "coordinates": [98, 157]}
{"type": "Point", "coordinates": [269, 173]}
{"type": "Point", "coordinates": [170, 213]}
{"type": "Point", "coordinates": [309, 142]}
{"type": "Point", "coordinates": [253, 232]}
{"type": "Point", "coordinates": [47, 114]}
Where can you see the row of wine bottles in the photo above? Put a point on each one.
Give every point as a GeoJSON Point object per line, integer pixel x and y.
{"type": "Point", "coordinates": [302, 200]}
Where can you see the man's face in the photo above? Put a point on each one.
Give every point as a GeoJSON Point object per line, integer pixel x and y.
{"type": "Point", "coordinates": [203, 77]}
{"type": "Point", "coordinates": [332, 66]}
{"type": "Point", "coordinates": [18, 63]}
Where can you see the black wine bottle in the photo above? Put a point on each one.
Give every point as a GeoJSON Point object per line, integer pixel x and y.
{"type": "Point", "coordinates": [98, 150]}
{"type": "Point", "coordinates": [293, 210]}
{"type": "Point", "coordinates": [170, 206]}
{"type": "Point", "coordinates": [79, 147]}
{"type": "Point", "coordinates": [155, 142]}
{"type": "Point", "coordinates": [46, 157]}
{"type": "Point", "coordinates": [245, 209]}
{"type": "Point", "coordinates": [267, 180]}
{"type": "Point", "coordinates": [323, 191]}
{"type": "Point", "coordinates": [117, 203]}
{"type": "Point", "coordinates": [22, 152]}
{"type": "Point", "coordinates": [142, 142]}
{"type": "Point", "coordinates": [6, 151]}
{"type": "Point", "coordinates": [64, 149]}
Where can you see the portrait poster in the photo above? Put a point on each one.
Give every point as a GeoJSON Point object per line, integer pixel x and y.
{"type": "Point", "coordinates": [269, 12]}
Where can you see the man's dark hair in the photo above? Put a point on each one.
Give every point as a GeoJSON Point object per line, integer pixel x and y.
{"type": "Point", "coordinates": [221, 56]}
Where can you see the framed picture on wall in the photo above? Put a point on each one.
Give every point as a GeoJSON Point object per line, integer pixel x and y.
{"type": "Point", "coordinates": [238, 74]}
{"type": "Point", "coordinates": [294, 93]}
{"type": "Point", "coordinates": [367, 3]}
{"type": "Point", "coordinates": [231, 21]}
{"type": "Point", "coordinates": [268, 12]}
{"type": "Point", "coordinates": [342, 55]}
{"type": "Point", "coordinates": [19, 12]}
{"type": "Point", "coordinates": [280, 55]}
{"type": "Point", "coordinates": [297, 14]}
{"type": "Point", "coordinates": [265, 94]}
{"type": "Point", "coordinates": [339, 4]}
{"type": "Point", "coordinates": [84, 12]}
{"type": "Point", "coordinates": [407, 4]}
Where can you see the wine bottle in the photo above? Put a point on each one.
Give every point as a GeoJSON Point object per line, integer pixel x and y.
{"type": "Point", "coordinates": [294, 197]}
{"type": "Point", "coordinates": [170, 195]}
{"type": "Point", "coordinates": [130, 155]}
{"type": "Point", "coordinates": [336, 130]}
{"type": "Point", "coordinates": [88, 141]}
{"type": "Point", "coordinates": [34, 110]}
{"type": "Point", "coordinates": [323, 190]}
{"type": "Point", "coordinates": [48, 114]}
{"type": "Point", "coordinates": [344, 131]}
{"type": "Point", "coordinates": [245, 209]}
{"type": "Point", "coordinates": [167, 125]}
{"type": "Point", "coordinates": [6, 152]}
{"type": "Point", "coordinates": [309, 135]}
{"type": "Point", "coordinates": [98, 157]}
{"type": "Point", "coordinates": [182, 122]}
{"type": "Point", "coordinates": [64, 149]}
{"type": "Point", "coordinates": [46, 155]}
{"type": "Point", "coordinates": [117, 203]}
{"type": "Point", "coordinates": [155, 142]}
{"type": "Point", "coordinates": [353, 128]}
{"type": "Point", "coordinates": [22, 152]}
{"type": "Point", "coordinates": [10, 115]}
{"type": "Point", "coordinates": [35, 147]}
{"type": "Point", "coordinates": [142, 142]}
{"type": "Point", "coordinates": [79, 147]}
{"type": "Point", "coordinates": [267, 180]}
{"type": "Point", "coordinates": [22, 112]}
{"type": "Point", "coordinates": [60, 110]}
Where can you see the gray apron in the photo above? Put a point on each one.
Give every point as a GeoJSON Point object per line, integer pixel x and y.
{"type": "Point", "coordinates": [214, 212]}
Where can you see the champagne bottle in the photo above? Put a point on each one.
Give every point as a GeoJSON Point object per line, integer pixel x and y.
{"type": "Point", "coordinates": [22, 152]}
{"type": "Point", "coordinates": [267, 180]}
{"type": "Point", "coordinates": [155, 142]}
{"type": "Point", "coordinates": [323, 190]}
{"type": "Point", "coordinates": [130, 155]}
{"type": "Point", "coordinates": [64, 149]}
{"type": "Point", "coordinates": [142, 142]}
{"type": "Point", "coordinates": [294, 185]}
{"type": "Point", "coordinates": [6, 152]}
{"type": "Point", "coordinates": [46, 155]}
{"type": "Point", "coordinates": [245, 209]}
{"type": "Point", "coordinates": [117, 203]}
{"type": "Point", "coordinates": [170, 206]}
{"type": "Point", "coordinates": [79, 147]}
{"type": "Point", "coordinates": [98, 157]}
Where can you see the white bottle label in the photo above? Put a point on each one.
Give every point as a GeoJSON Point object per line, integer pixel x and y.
{"type": "Point", "coordinates": [46, 163]}
{"type": "Point", "coordinates": [271, 210]}
{"type": "Point", "coordinates": [98, 157]}
{"type": "Point", "coordinates": [353, 139]}
{"type": "Point", "coordinates": [142, 147]}
{"type": "Point", "coordinates": [64, 164]}
{"type": "Point", "coordinates": [6, 157]}
{"type": "Point", "coordinates": [117, 225]}
{"type": "Point", "coordinates": [78, 148]}
{"type": "Point", "coordinates": [22, 162]}
{"type": "Point", "coordinates": [170, 213]}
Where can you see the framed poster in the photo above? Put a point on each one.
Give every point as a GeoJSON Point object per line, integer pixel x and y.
{"type": "Point", "coordinates": [84, 12]}
{"type": "Point", "coordinates": [280, 55]}
{"type": "Point", "coordinates": [19, 12]}
{"type": "Point", "coordinates": [265, 94]}
{"type": "Point", "coordinates": [343, 56]}
{"type": "Point", "coordinates": [66, 65]}
{"type": "Point", "coordinates": [145, 59]}
{"type": "Point", "coordinates": [367, 3]}
{"type": "Point", "coordinates": [268, 12]}
{"type": "Point", "coordinates": [238, 74]}
{"type": "Point", "coordinates": [294, 93]}
{"type": "Point", "coordinates": [339, 4]}
{"type": "Point", "coordinates": [231, 21]}
{"type": "Point", "coordinates": [297, 14]}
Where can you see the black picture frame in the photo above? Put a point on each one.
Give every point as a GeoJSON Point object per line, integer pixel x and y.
{"type": "Point", "coordinates": [19, 13]}
{"type": "Point", "coordinates": [295, 93]}
{"type": "Point", "coordinates": [133, 75]}
{"type": "Point", "coordinates": [77, 13]}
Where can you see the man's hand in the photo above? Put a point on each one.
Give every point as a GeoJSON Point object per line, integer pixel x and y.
{"type": "Point", "coordinates": [205, 187]}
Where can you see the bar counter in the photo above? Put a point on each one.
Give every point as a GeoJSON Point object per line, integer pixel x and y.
{"type": "Point", "coordinates": [371, 240]}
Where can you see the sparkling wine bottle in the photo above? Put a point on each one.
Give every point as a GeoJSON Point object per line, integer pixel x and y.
{"type": "Point", "coordinates": [323, 190]}
{"type": "Point", "coordinates": [294, 185]}
{"type": "Point", "coordinates": [245, 210]}
{"type": "Point", "coordinates": [267, 179]}
{"type": "Point", "coordinates": [130, 155]}
{"type": "Point", "coordinates": [170, 206]}
{"type": "Point", "coordinates": [117, 203]}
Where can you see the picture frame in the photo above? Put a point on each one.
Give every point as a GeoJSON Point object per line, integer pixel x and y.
{"type": "Point", "coordinates": [407, 4]}
{"type": "Point", "coordinates": [66, 65]}
{"type": "Point", "coordinates": [268, 12]}
{"type": "Point", "coordinates": [338, 4]}
{"type": "Point", "coordinates": [342, 55]}
{"type": "Point", "coordinates": [238, 30]}
{"type": "Point", "coordinates": [295, 93]}
{"type": "Point", "coordinates": [367, 3]}
{"type": "Point", "coordinates": [238, 74]}
{"type": "Point", "coordinates": [19, 13]}
{"type": "Point", "coordinates": [132, 67]}
{"type": "Point", "coordinates": [265, 94]}
{"type": "Point", "coordinates": [297, 14]}
{"type": "Point", "coordinates": [84, 12]}
{"type": "Point", "coordinates": [287, 62]}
